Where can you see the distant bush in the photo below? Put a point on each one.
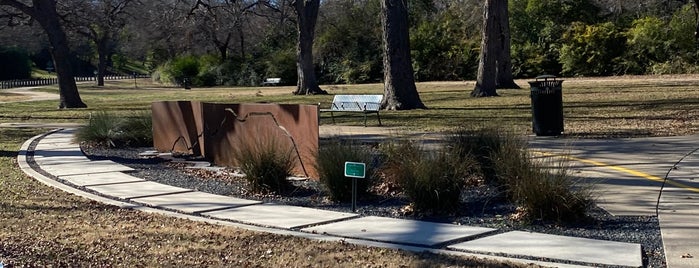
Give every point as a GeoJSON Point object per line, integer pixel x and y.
{"type": "Point", "coordinates": [592, 49]}
{"type": "Point", "coordinates": [106, 129]}
{"type": "Point", "coordinates": [266, 164]}
{"type": "Point", "coordinates": [330, 163]}
{"type": "Point", "coordinates": [202, 71]}
{"type": "Point", "coordinates": [14, 64]}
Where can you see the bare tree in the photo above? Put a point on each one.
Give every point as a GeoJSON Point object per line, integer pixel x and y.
{"type": "Point", "coordinates": [45, 13]}
{"type": "Point", "coordinates": [306, 17]}
{"type": "Point", "coordinates": [400, 92]}
{"type": "Point", "coordinates": [101, 22]}
{"type": "Point", "coordinates": [222, 22]}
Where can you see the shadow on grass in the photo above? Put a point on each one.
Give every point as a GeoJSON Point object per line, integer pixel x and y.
{"type": "Point", "coordinates": [4, 153]}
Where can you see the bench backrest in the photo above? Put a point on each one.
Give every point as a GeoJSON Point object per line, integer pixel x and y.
{"type": "Point", "coordinates": [273, 80]}
{"type": "Point", "coordinates": [356, 102]}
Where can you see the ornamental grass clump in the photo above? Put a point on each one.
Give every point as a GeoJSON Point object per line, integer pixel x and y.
{"type": "Point", "coordinates": [432, 180]}
{"type": "Point", "coordinates": [106, 129]}
{"type": "Point", "coordinates": [267, 164]}
{"type": "Point", "coordinates": [552, 195]}
{"type": "Point", "coordinates": [543, 189]}
{"type": "Point", "coordinates": [480, 145]}
{"type": "Point", "coordinates": [330, 164]}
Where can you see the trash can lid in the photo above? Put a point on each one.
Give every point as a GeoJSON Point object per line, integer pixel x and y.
{"type": "Point", "coordinates": [546, 77]}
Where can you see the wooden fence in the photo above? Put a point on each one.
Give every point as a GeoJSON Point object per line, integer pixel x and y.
{"type": "Point", "coordinates": [53, 81]}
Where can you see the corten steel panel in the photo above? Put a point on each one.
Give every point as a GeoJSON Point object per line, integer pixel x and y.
{"type": "Point", "coordinates": [176, 126]}
{"type": "Point", "coordinates": [255, 124]}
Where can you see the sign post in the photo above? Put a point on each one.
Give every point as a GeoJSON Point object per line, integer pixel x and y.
{"type": "Point", "coordinates": [355, 170]}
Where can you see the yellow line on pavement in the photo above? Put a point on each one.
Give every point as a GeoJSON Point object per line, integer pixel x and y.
{"type": "Point", "coordinates": [622, 169]}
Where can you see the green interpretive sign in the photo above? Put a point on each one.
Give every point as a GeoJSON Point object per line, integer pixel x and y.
{"type": "Point", "coordinates": [355, 170]}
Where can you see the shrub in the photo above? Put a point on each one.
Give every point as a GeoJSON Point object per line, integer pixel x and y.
{"type": "Point", "coordinates": [330, 165]}
{"type": "Point", "coordinates": [266, 164]}
{"type": "Point", "coordinates": [14, 64]}
{"type": "Point", "coordinates": [551, 195]}
{"type": "Point", "coordinates": [479, 144]}
{"type": "Point", "coordinates": [544, 192]}
{"type": "Point", "coordinates": [431, 180]}
{"type": "Point", "coordinates": [105, 129]}
{"type": "Point", "coordinates": [138, 130]}
{"type": "Point", "coordinates": [592, 49]}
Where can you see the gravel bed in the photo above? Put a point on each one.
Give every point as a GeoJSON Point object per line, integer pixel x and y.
{"type": "Point", "coordinates": [480, 206]}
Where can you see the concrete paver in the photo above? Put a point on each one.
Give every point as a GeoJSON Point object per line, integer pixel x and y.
{"type": "Point", "coordinates": [57, 160]}
{"type": "Point", "coordinates": [90, 167]}
{"type": "Point", "coordinates": [279, 216]}
{"type": "Point", "coordinates": [137, 189]}
{"type": "Point", "coordinates": [54, 152]}
{"type": "Point", "coordinates": [399, 230]}
{"type": "Point", "coordinates": [194, 202]}
{"type": "Point", "coordinates": [558, 247]}
{"type": "Point", "coordinates": [101, 179]}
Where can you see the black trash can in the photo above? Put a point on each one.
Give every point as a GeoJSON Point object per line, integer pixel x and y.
{"type": "Point", "coordinates": [547, 105]}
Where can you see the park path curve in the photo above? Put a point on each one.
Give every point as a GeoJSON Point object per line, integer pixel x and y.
{"type": "Point", "coordinates": [642, 176]}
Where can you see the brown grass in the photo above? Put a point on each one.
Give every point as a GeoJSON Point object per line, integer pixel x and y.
{"type": "Point", "coordinates": [44, 227]}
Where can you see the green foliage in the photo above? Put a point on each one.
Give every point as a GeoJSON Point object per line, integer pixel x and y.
{"type": "Point", "coordinates": [266, 164]}
{"type": "Point", "coordinates": [647, 44]}
{"type": "Point", "coordinates": [200, 71]}
{"type": "Point", "coordinates": [431, 180]}
{"type": "Point", "coordinates": [280, 64]}
{"type": "Point", "coordinates": [348, 51]}
{"type": "Point", "coordinates": [106, 129]}
{"type": "Point", "coordinates": [14, 64]}
{"type": "Point", "coordinates": [592, 49]}
{"type": "Point", "coordinates": [444, 49]}
{"type": "Point", "coordinates": [330, 163]}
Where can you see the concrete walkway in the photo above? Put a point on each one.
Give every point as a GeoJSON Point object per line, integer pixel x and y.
{"type": "Point", "coordinates": [56, 161]}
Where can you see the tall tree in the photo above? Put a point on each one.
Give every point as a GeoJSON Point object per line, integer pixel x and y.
{"type": "Point", "coordinates": [486, 81]}
{"type": "Point", "coordinates": [400, 92]}
{"type": "Point", "coordinates": [306, 17]}
{"type": "Point", "coordinates": [696, 12]}
{"type": "Point", "coordinates": [45, 13]}
{"type": "Point", "coordinates": [505, 79]}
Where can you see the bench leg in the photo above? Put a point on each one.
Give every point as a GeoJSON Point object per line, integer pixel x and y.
{"type": "Point", "coordinates": [332, 116]}
{"type": "Point", "coordinates": [365, 119]}
{"type": "Point", "coordinates": [378, 117]}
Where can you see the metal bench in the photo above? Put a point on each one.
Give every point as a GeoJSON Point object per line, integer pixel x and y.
{"type": "Point", "coordinates": [356, 103]}
{"type": "Point", "coordinates": [271, 82]}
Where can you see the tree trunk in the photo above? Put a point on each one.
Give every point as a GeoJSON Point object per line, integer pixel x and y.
{"type": "Point", "coordinates": [400, 92]}
{"type": "Point", "coordinates": [102, 53]}
{"type": "Point", "coordinates": [307, 14]}
{"type": "Point", "coordinates": [505, 78]}
{"type": "Point", "coordinates": [696, 29]}
{"type": "Point", "coordinates": [486, 81]}
{"type": "Point", "coordinates": [45, 13]}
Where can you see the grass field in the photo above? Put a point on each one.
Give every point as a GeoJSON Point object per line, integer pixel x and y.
{"type": "Point", "coordinates": [42, 226]}
{"type": "Point", "coordinates": [593, 107]}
